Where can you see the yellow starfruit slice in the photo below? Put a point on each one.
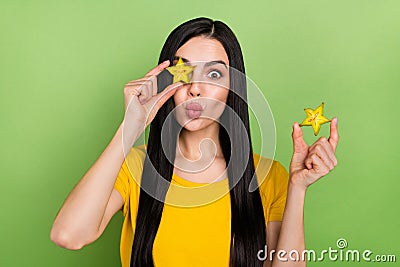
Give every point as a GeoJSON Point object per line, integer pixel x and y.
{"type": "Point", "coordinates": [180, 71]}
{"type": "Point", "coordinates": [315, 118]}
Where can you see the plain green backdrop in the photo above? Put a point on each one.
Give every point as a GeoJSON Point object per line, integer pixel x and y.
{"type": "Point", "coordinates": [63, 65]}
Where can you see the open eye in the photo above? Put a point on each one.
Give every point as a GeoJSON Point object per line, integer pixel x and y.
{"type": "Point", "coordinates": [214, 74]}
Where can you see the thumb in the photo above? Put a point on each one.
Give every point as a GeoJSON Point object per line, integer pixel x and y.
{"type": "Point", "coordinates": [169, 91]}
{"type": "Point", "coordinates": [299, 145]}
{"type": "Point", "coordinates": [300, 149]}
{"type": "Point", "coordinates": [157, 101]}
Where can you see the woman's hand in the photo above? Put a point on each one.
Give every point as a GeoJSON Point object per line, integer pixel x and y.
{"type": "Point", "coordinates": [308, 164]}
{"type": "Point", "coordinates": [141, 99]}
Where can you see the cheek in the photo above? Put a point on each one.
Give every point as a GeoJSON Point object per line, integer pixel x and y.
{"type": "Point", "coordinates": [216, 102]}
{"type": "Point", "coordinates": [218, 93]}
{"type": "Point", "coordinates": [179, 97]}
{"type": "Point", "coordinates": [179, 112]}
{"type": "Point", "coordinates": [224, 95]}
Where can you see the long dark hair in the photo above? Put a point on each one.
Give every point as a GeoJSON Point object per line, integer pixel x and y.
{"type": "Point", "coordinates": [248, 227]}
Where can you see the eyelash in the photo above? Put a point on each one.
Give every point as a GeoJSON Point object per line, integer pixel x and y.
{"type": "Point", "coordinates": [220, 74]}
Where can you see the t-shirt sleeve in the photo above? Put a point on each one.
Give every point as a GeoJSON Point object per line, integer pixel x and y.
{"type": "Point", "coordinates": [128, 179]}
{"type": "Point", "coordinates": [280, 181]}
{"type": "Point", "coordinates": [122, 185]}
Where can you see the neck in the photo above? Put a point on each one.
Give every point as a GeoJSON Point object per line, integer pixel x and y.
{"type": "Point", "coordinates": [191, 147]}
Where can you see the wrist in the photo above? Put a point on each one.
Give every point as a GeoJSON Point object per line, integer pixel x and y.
{"type": "Point", "coordinates": [296, 193]}
{"type": "Point", "coordinates": [128, 134]}
{"type": "Point", "coordinates": [296, 185]}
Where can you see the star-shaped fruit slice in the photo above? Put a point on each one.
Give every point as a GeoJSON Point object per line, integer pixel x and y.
{"type": "Point", "coordinates": [181, 71]}
{"type": "Point", "coordinates": [315, 118]}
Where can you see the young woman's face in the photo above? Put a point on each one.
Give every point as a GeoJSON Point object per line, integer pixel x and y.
{"type": "Point", "coordinates": [209, 86]}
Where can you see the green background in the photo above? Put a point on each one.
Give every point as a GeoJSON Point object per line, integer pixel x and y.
{"type": "Point", "coordinates": [63, 65]}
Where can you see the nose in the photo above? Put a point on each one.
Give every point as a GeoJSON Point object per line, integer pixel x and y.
{"type": "Point", "coordinates": [194, 89]}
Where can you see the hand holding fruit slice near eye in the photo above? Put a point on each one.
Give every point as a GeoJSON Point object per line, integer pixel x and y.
{"type": "Point", "coordinates": [315, 118]}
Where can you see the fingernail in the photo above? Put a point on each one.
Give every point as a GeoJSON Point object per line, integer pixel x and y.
{"type": "Point", "coordinates": [336, 121]}
{"type": "Point", "coordinates": [165, 61]}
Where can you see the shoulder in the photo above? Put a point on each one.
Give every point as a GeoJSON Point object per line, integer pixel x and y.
{"type": "Point", "coordinates": [273, 180]}
{"type": "Point", "coordinates": [134, 161]}
{"type": "Point", "coordinates": [271, 174]}
{"type": "Point", "coordinates": [137, 152]}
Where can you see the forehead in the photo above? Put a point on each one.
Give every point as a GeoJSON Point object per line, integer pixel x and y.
{"type": "Point", "coordinates": [202, 49]}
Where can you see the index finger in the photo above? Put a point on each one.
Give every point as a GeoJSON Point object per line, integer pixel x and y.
{"type": "Point", "coordinates": [334, 135]}
{"type": "Point", "coordinates": [157, 69]}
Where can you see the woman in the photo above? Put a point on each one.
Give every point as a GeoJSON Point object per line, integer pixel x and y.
{"type": "Point", "coordinates": [222, 230]}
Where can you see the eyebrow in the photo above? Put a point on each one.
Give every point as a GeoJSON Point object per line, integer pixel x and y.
{"type": "Point", "coordinates": [207, 64]}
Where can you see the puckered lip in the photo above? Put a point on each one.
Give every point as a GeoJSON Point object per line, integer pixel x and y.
{"type": "Point", "coordinates": [194, 105]}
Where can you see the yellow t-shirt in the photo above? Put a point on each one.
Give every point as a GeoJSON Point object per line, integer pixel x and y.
{"type": "Point", "coordinates": [191, 234]}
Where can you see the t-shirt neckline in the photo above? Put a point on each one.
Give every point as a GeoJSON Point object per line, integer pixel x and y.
{"type": "Point", "coordinates": [185, 182]}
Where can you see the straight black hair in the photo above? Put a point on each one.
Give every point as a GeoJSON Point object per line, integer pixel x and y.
{"type": "Point", "coordinates": [248, 226]}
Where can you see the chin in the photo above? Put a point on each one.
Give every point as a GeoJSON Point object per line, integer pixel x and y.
{"type": "Point", "coordinates": [196, 124]}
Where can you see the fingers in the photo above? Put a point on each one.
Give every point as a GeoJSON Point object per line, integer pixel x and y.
{"type": "Point", "coordinates": [319, 167]}
{"type": "Point", "coordinates": [323, 148]}
{"type": "Point", "coordinates": [155, 71]}
{"type": "Point", "coordinates": [300, 149]}
{"type": "Point", "coordinates": [143, 88]}
{"type": "Point", "coordinates": [156, 102]}
{"type": "Point", "coordinates": [170, 90]}
{"type": "Point", "coordinates": [299, 145]}
{"type": "Point", "coordinates": [146, 87]}
{"type": "Point", "coordinates": [334, 135]}
{"type": "Point", "coordinates": [320, 159]}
